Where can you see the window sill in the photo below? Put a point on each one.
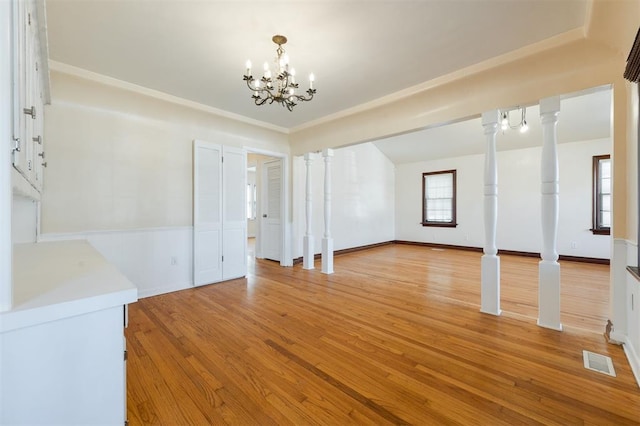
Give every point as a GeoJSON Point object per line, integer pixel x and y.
{"type": "Point", "coordinates": [601, 231]}
{"type": "Point", "coordinates": [440, 224]}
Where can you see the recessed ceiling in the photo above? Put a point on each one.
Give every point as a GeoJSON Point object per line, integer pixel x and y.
{"type": "Point", "coordinates": [358, 50]}
{"type": "Point", "coordinates": [582, 117]}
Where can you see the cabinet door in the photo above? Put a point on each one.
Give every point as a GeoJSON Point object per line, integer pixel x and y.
{"type": "Point", "coordinates": [28, 81]}
{"type": "Point", "coordinates": [21, 20]}
{"type": "Point", "coordinates": [37, 140]}
{"type": "Point", "coordinates": [27, 88]}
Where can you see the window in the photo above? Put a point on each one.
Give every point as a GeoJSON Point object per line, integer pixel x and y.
{"type": "Point", "coordinates": [251, 201]}
{"type": "Point", "coordinates": [601, 194]}
{"type": "Point", "coordinates": [439, 198]}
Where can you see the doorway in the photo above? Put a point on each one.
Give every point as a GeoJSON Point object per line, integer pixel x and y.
{"type": "Point", "coordinates": [267, 212]}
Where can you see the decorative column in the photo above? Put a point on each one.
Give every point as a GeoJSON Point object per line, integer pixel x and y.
{"type": "Point", "coordinates": [490, 287]}
{"type": "Point", "coordinates": [308, 243]}
{"type": "Point", "coordinates": [549, 268]}
{"type": "Point", "coordinates": [327, 241]}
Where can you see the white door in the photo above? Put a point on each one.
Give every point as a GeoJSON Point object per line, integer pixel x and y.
{"type": "Point", "coordinates": [234, 216]}
{"type": "Point", "coordinates": [207, 213]}
{"type": "Point", "coordinates": [271, 210]}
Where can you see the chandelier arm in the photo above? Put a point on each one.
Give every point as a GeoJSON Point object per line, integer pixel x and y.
{"type": "Point", "coordinates": [304, 98]}
{"type": "Point", "coordinates": [261, 90]}
{"type": "Point", "coordinates": [260, 101]}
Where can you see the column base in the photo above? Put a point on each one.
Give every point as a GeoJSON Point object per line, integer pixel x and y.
{"type": "Point", "coordinates": [307, 252]}
{"type": "Point", "coordinates": [490, 286]}
{"type": "Point", "coordinates": [327, 255]}
{"type": "Point", "coordinates": [549, 295]}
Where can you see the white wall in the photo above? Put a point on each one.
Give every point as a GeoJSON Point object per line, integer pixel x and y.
{"type": "Point", "coordinates": [122, 160]}
{"type": "Point", "coordinates": [362, 198]}
{"type": "Point", "coordinates": [519, 222]}
{"type": "Point", "coordinates": [120, 175]}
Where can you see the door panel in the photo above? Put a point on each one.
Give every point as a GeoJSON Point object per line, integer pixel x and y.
{"type": "Point", "coordinates": [272, 214]}
{"type": "Point", "coordinates": [234, 220]}
{"type": "Point", "coordinates": [207, 213]}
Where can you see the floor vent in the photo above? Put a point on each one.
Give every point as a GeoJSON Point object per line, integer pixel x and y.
{"type": "Point", "coordinates": [599, 363]}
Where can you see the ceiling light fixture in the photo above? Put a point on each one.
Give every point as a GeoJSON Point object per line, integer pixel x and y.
{"type": "Point", "coordinates": [282, 87]}
{"type": "Point", "coordinates": [522, 125]}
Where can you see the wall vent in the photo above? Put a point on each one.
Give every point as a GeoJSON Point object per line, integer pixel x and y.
{"type": "Point", "coordinates": [599, 363]}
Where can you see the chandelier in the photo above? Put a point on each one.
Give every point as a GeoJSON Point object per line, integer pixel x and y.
{"type": "Point", "coordinates": [522, 125]}
{"type": "Point", "coordinates": [282, 87]}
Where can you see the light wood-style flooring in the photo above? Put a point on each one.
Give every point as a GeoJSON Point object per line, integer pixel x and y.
{"type": "Point", "coordinates": [395, 336]}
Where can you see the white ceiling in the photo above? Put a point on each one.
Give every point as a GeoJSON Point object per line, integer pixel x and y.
{"type": "Point", "coordinates": [582, 117]}
{"type": "Point", "coordinates": [359, 50]}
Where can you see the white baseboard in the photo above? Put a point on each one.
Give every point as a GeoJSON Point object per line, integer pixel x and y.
{"type": "Point", "coordinates": [634, 359]}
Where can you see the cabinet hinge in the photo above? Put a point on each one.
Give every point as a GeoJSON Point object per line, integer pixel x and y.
{"type": "Point", "coordinates": [29, 18]}
{"type": "Point", "coordinates": [126, 423]}
{"type": "Point", "coordinates": [126, 355]}
{"type": "Point", "coordinates": [222, 159]}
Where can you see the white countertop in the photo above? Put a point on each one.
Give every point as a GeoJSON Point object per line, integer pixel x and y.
{"type": "Point", "coordinates": [56, 280]}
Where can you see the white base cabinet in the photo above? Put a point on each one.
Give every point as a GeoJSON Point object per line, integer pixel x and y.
{"type": "Point", "coordinates": [62, 346]}
{"type": "Point", "coordinates": [69, 371]}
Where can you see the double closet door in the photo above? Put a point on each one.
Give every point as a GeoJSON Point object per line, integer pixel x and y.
{"type": "Point", "coordinates": [219, 213]}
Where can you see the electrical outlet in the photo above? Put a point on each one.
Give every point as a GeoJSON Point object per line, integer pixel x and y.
{"type": "Point", "coordinates": [174, 260]}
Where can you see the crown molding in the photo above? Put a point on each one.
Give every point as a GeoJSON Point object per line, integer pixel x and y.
{"type": "Point", "coordinates": [120, 84]}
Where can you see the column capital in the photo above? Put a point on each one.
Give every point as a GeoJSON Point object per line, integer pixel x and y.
{"type": "Point", "coordinates": [490, 117]}
{"type": "Point", "coordinates": [327, 152]}
{"type": "Point", "coordinates": [309, 156]}
{"type": "Point", "coordinates": [550, 105]}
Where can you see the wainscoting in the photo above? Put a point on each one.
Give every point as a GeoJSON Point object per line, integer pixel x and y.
{"type": "Point", "coordinates": [156, 260]}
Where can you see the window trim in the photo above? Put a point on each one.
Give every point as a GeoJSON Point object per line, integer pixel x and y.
{"type": "Point", "coordinates": [453, 223]}
{"type": "Point", "coordinates": [596, 229]}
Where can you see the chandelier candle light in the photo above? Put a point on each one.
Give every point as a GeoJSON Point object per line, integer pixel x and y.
{"type": "Point", "coordinates": [506, 121]}
{"type": "Point", "coordinates": [282, 87]}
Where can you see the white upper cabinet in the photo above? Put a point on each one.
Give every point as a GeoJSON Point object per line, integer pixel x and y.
{"type": "Point", "coordinates": [30, 91]}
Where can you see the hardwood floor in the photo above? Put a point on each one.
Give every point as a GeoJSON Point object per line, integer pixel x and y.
{"type": "Point", "coordinates": [395, 336]}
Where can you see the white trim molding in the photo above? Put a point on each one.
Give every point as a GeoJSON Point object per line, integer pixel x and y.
{"type": "Point", "coordinates": [633, 358]}
{"type": "Point", "coordinates": [618, 289]}
{"type": "Point", "coordinates": [624, 301]}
